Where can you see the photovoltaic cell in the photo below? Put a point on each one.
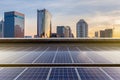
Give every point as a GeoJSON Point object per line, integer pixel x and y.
{"type": "Point", "coordinates": [47, 57]}
{"type": "Point", "coordinates": [113, 72]}
{"type": "Point", "coordinates": [63, 57]}
{"type": "Point", "coordinates": [34, 74]}
{"type": "Point", "coordinates": [92, 74]}
{"type": "Point", "coordinates": [10, 73]}
{"type": "Point", "coordinates": [80, 57]}
{"type": "Point", "coordinates": [63, 74]}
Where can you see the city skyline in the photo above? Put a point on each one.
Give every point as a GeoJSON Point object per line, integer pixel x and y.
{"type": "Point", "coordinates": [64, 12]}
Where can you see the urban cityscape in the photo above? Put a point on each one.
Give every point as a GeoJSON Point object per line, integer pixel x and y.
{"type": "Point", "coordinates": [60, 40]}
{"type": "Point", "coordinates": [13, 26]}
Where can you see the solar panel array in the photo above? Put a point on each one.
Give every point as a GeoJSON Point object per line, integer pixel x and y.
{"type": "Point", "coordinates": [58, 55]}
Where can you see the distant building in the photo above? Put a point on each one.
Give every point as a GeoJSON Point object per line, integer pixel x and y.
{"type": "Point", "coordinates": [43, 23]}
{"type": "Point", "coordinates": [1, 29]}
{"type": "Point", "coordinates": [67, 31]}
{"type": "Point", "coordinates": [35, 36]}
{"type": "Point", "coordinates": [14, 24]}
{"type": "Point", "coordinates": [54, 35]}
{"type": "Point", "coordinates": [60, 31]}
{"type": "Point", "coordinates": [109, 33]}
{"type": "Point", "coordinates": [82, 29]}
{"type": "Point", "coordinates": [28, 37]}
{"type": "Point", "coordinates": [72, 35]}
{"type": "Point", "coordinates": [96, 34]}
{"type": "Point", "coordinates": [102, 33]}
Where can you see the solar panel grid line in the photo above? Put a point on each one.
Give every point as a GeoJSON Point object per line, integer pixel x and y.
{"type": "Point", "coordinates": [100, 68]}
{"type": "Point", "coordinates": [113, 72]}
{"type": "Point", "coordinates": [106, 73]}
{"type": "Point", "coordinates": [40, 55]}
{"type": "Point", "coordinates": [49, 73]}
{"type": "Point", "coordinates": [79, 78]}
{"type": "Point", "coordinates": [20, 74]}
{"type": "Point", "coordinates": [32, 62]}
{"type": "Point", "coordinates": [55, 55]}
{"type": "Point", "coordinates": [86, 56]}
{"type": "Point", "coordinates": [70, 55]}
{"type": "Point", "coordinates": [96, 57]}
{"type": "Point", "coordinates": [23, 55]}
{"type": "Point", "coordinates": [47, 57]}
{"type": "Point", "coordinates": [25, 68]}
{"type": "Point", "coordinates": [62, 56]}
{"type": "Point", "coordinates": [12, 62]}
{"type": "Point", "coordinates": [52, 62]}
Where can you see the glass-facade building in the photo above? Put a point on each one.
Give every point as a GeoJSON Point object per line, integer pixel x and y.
{"type": "Point", "coordinates": [14, 24]}
{"type": "Point", "coordinates": [82, 29]}
{"type": "Point", "coordinates": [60, 31]}
{"type": "Point", "coordinates": [1, 28]}
{"type": "Point", "coordinates": [43, 23]}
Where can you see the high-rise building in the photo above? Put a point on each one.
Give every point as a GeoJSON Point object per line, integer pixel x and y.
{"type": "Point", "coordinates": [14, 24]}
{"type": "Point", "coordinates": [64, 31]}
{"type": "Point", "coordinates": [1, 28]}
{"type": "Point", "coordinates": [102, 33]}
{"type": "Point", "coordinates": [43, 23]}
{"type": "Point", "coordinates": [68, 31]}
{"type": "Point", "coordinates": [82, 29]}
{"type": "Point", "coordinates": [96, 34]}
{"type": "Point", "coordinates": [109, 33]}
{"type": "Point", "coordinates": [60, 31]}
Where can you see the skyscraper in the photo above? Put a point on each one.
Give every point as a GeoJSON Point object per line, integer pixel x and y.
{"type": "Point", "coordinates": [1, 28]}
{"type": "Point", "coordinates": [68, 31]}
{"type": "Point", "coordinates": [82, 29]}
{"type": "Point", "coordinates": [14, 24]}
{"type": "Point", "coordinates": [64, 31]}
{"type": "Point", "coordinates": [43, 23]}
{"type": "Point", "coordinates": [60, 31]}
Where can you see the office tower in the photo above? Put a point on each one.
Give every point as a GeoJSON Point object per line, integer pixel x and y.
{"type": "Point", "coordinates": [43, 23]}
{"type": "Point", "coordinates": [53, 35]}
{"type": "Point", "coordinates": [68, 31]}
{"type": "Point", "coordinates": [96, 34]}
{"type": "Point", "coordinates": [109, 33]}
{"type": "Point", "coordinates": [14, 24]}
{"type": "Point", "coordinates": [102, 33]}
{"type": "Point", "coordinates": [60, 31]}
{"type": "Point", "coordinates": [82, 29]}
{"type": "Point", "coordinates": [1, 28]}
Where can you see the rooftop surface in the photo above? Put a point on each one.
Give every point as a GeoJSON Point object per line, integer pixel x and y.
{"type": "Point", "coordinates": [60, 59]}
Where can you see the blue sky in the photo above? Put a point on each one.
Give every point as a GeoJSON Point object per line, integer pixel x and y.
{"type": "Point", "coordinates": [65, 12]}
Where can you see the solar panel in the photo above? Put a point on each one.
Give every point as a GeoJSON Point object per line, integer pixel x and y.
{"type": "Point", "coordinates": [92, 74]}
{"type": "Point", "coordinates": [56, 54]}
{"type": "Point", "coordinates": [63, 74]}
{"type": "Point", "coordinates": [80, 57]}
{"type": "Point", "coordinates": [9, 73]}
{"type": "Point", "coordinates": [34, 74]}
{"type": "Point", "coordinates": [113, 72]}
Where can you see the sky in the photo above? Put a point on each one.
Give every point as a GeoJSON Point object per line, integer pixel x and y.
{"type": "Point", "coordinates": [97, 13]}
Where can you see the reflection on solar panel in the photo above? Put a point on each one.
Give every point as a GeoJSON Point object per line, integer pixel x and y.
{"type": "Point", "coordinates": [9, 73]}
{"type": "Point", "coordinates": [59, 54]}
{"type": "Point", "coordinates": [92, 74]}
{"type": "Point", "coordinates": [113, 72]}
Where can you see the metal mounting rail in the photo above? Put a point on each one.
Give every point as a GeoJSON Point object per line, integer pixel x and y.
{"type": "Point", "coordinates": [59, 65]}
